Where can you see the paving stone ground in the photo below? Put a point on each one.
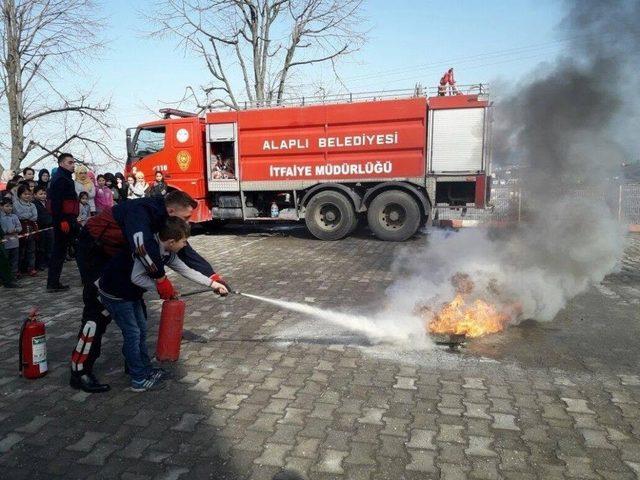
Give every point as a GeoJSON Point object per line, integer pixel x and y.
{"type": "Point", "coordinates": [543, 401]}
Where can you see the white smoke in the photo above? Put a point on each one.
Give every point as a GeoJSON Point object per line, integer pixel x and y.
{"type": "Point", "coordinates": [540, 267]}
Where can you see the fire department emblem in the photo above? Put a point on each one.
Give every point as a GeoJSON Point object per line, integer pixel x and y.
{"type": "Point", "coordinates": [184, 160]}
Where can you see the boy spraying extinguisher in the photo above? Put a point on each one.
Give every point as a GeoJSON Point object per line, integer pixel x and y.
{"type": "Point", "coordinates": [122, 285]}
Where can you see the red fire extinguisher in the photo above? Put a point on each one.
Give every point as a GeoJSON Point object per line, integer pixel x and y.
{"type": "Point", "coordinates": [170, 331]}
{"type": "Point", "coordinates": [32, 349]}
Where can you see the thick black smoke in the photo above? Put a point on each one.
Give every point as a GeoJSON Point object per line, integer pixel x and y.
{"type": "Point", "coordinates": [565, 126]}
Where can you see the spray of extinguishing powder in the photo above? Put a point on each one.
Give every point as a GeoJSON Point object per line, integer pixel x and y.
{"type": "Point", "coordinates": [377, 330]}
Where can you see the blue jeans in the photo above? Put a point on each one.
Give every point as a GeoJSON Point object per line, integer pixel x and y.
{"type": "Point", "coordinates": [130, 317]}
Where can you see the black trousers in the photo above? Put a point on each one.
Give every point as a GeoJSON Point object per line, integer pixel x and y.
{"type": "Point", "coordinates": [95, 318]}
{"type": "Point", "coordinates": [5, 268]}
{"type": "Point", "coordinates": [43, 249]}
{"type": "Point", "coordinates": [61, 242]}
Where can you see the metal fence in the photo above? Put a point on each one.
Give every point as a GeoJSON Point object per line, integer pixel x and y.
{"type": "Point", "coordinates": [629, 203]}
{"type": "Point", "coordinates": [509, 204]}
{"type": "Point", "coordinates": [393, 94]}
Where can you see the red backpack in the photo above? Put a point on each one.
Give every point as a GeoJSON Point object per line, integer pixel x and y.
{"type": "Point", "coordinates": [106, 232]}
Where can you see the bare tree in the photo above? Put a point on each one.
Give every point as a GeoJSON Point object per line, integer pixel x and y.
{"type": "Point", "coordinates": [259, 44]}
{"type": "Point", "coordinates": [41, 45]}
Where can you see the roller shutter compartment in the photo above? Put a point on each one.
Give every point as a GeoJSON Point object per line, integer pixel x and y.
{"type": "Point", "coordinates": [457, 140]}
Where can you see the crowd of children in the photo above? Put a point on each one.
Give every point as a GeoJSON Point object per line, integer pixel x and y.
{"type": "Point", "coordinates": [26, 234]}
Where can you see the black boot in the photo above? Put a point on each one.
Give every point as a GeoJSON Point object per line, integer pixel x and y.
{"type": "Point", "coordinates": [88, 383]}
{"type": "Point", "coordinates": [57, 288]}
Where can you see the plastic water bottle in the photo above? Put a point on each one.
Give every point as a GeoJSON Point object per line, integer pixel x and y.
{"type": "Point", "coordinates": [274, 210]}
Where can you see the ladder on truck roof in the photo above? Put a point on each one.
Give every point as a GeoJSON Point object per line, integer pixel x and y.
{"type": "Point", "coordinates": [301, 101]}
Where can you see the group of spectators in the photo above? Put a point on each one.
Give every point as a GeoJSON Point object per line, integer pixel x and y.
{"type": "Point", "coordinates": [26, 223]}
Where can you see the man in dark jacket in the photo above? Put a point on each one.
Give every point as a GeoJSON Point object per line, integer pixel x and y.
{"type": "Point", "coordinates": [136, 222]}
{"type": "Point", "coordinates": [63, 202]}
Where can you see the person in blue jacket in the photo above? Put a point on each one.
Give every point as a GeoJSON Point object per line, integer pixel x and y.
{"type": "Point", "coordinates": [137, 221]}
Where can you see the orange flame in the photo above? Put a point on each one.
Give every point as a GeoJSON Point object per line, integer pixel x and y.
{"type": "Point", "coordinates": [472, 320]}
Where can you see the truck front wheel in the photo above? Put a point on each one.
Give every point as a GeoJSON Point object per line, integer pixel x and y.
{"type": "Point", "coordinates": [330, 216]}
{"type": "Point", "coordinates": [394, 216]}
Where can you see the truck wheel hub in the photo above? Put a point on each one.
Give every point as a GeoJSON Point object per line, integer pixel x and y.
{"type": "Point", "coordinates": [393, 216]}
{"type": "Point", "coordinates": [329, 217]}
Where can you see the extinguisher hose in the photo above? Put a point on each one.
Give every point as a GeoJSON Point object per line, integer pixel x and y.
{"type": "Point", "coordinates": [195, 292]}
{"type": "Point", "coordinates": [204, 290]}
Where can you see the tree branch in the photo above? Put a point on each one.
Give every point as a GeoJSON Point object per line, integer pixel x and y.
{"type": "Point", "coordinates": [237, 40]}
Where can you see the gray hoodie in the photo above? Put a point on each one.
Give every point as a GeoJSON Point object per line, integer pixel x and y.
{"type": "Point", "coordinates": [11, 227]}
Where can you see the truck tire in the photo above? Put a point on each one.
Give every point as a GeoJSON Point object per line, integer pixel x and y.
{"type": "Point", "coordinates": [394, 216]}
{"type": "Point", "coordinates": [329, 215]}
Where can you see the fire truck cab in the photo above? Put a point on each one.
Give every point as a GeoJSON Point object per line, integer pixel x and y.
{"type": "Point", "coordinates": [334, 163]}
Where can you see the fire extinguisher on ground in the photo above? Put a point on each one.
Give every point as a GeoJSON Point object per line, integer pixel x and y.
{"type": "Point", "coordinates": [32, 348]}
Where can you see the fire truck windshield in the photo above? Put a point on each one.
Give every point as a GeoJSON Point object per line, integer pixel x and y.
{"type": "Point", "coordinates": [148, 140]}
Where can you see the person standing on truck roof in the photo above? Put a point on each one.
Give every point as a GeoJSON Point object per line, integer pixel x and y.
{"type": "Point", "coordinates": [447, 80]}
{"type": "Point", "coordinates": [64, 207]}
{"type": "Point", "coordinates": [131, 226]}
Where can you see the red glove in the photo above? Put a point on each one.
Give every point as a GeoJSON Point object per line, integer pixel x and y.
{"type": "Point", "coordinates": [165, 289]}
{"type": "Point", "coordinates": [65, 227]}
{"type": "Point", "coordinates": [217, 278]}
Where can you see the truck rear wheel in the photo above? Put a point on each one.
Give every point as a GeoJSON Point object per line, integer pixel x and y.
{"type": "Point", "coordinates": [394, 216]}
{"type": "Point", "coordinates": [330, 215]}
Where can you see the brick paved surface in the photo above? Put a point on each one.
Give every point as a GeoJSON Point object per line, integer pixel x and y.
{"type": "Point", "coordinates": [560, 400]}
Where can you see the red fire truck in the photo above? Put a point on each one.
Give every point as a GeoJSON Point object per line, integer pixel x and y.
{"type": "Point", "coordinates": [392, 161]}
